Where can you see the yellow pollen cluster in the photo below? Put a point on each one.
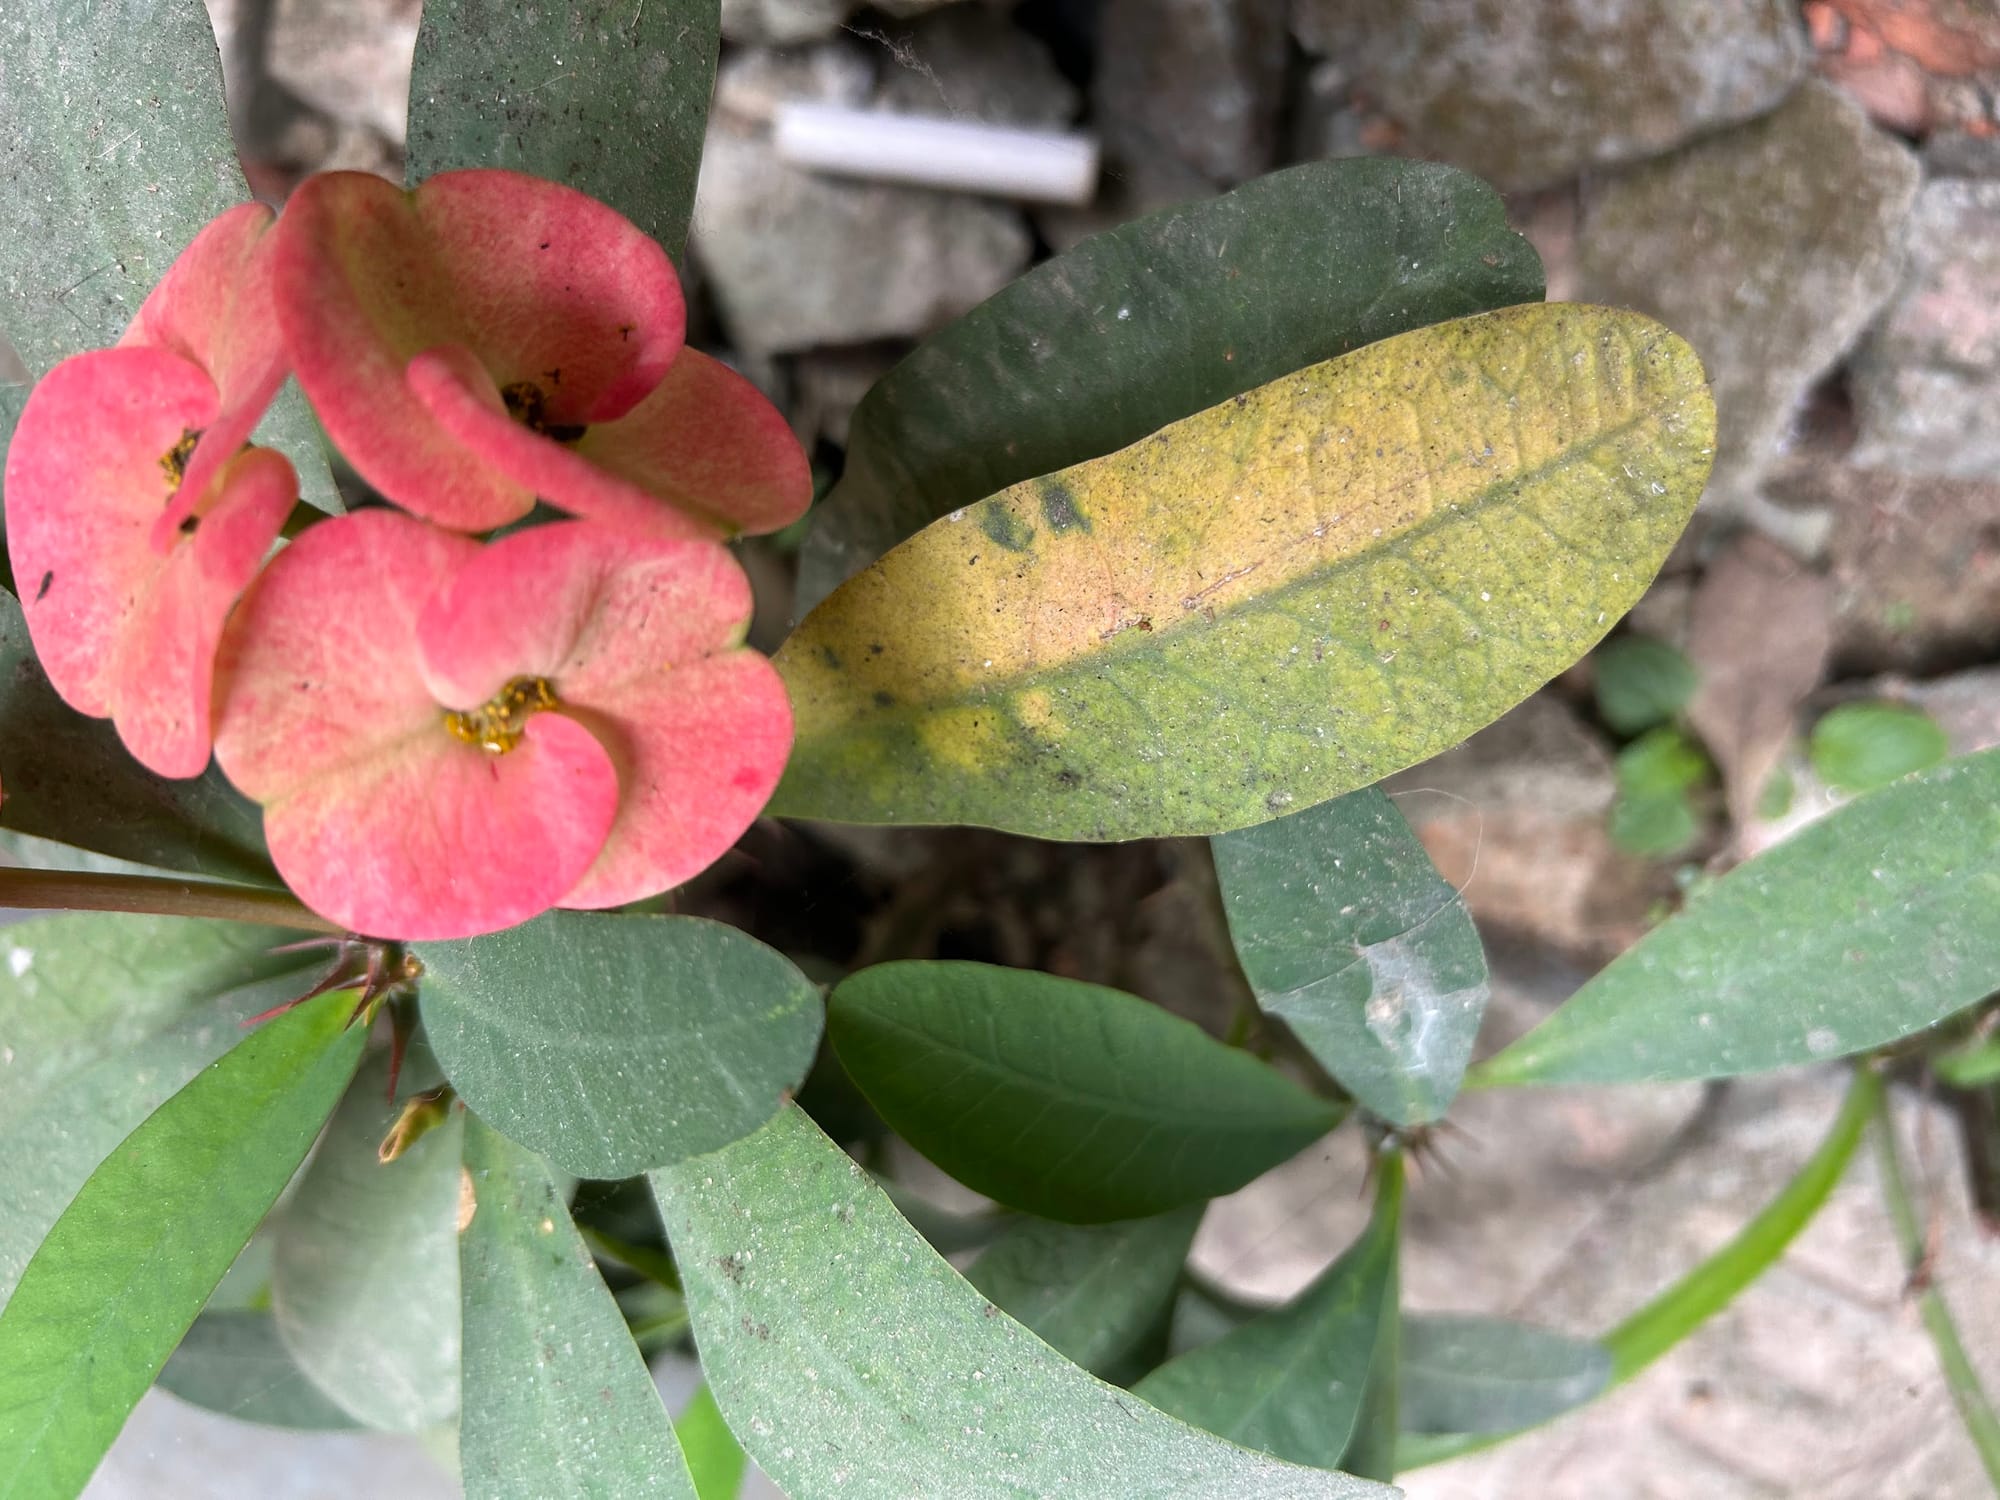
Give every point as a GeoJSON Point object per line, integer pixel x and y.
{"type": "Point", "coordinates": [527, 403]}
{"type": "Point", "coordinates": [497, 725]}
{"type": "Point", "coordinates": [174, 462]}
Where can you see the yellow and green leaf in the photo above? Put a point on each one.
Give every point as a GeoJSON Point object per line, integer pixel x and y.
{"type": "Point", "coordinates": [1266, 604]}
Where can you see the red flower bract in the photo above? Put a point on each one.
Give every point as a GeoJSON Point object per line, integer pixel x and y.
{"type": "Point", "coordinates": [449, 738]}
{"type": "Point", "coordinates": [489, 339]}
{"type": "Point", "coordinates": [135, 515]}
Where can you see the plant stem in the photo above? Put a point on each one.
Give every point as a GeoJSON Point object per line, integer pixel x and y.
{"type": "Point", "coordinates": [1960, 1378]}
{"type": "Point", "coordinates": [65, 890]}
{"type": "Point", "coordinates": [1709, 1287]}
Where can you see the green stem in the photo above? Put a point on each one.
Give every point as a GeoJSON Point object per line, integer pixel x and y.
{"type": "Point", "coordinates": [65, 890]}
{"type": "Point", "coordinates": [1960, 1378]}
{"type": "Point", "coordinates": [655, 1265]}
{"type": "Point", "coordinates": [1706, 1290]}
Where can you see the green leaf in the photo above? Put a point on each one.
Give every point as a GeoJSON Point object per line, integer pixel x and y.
{"type": "Point", "coordinates": [1858, 747]}
{"type": "Point", "coordinates": [1971, 1065]}
{"type": "Point", "coordinates": [364, 1278]}
{"type": "Point", "coordinates": [1291, 1381]}
{"type": "Point", "coordinates": [1660, 763]}
{"type": "Point", "coordinates": [1066, 1100]}
{"type": "Point", "coordinates": [1267, 604]}
{"type": "Point", "coordinates": [1473, 1374]}
{"type": "Point", "coordinates": [557, 1399]}
{"type": "Point", "coordinates": [1348, 933]}
{"type": "Point", "coordinates": [1095, 1293]}
{"type": "Point", "coordinates": [103, 1018]}
{"type": "Point", "coordinates": [608, 96]}
{"type": "Point", "coordinates": [1140, 326]}
{"type": "Point", "coordinates": [818, 1372]}
{"type": "Point", "coordinates": [69, 778]}
{"type": "Point", "coordinates": [714, 1457]}
{"type": "Point", "coordinates": [1641, 682]}
{"type": "Point", "coordinates": [116, 154]}
{"type": "Point", "coordinates": [613, 1044]}
{"type": "Point", "coordinates": [1653, 825]}
{"type": "Point", "coordinates": [1870, 924]}
{"type": "Point", "coordinates": [232, 1361]}
{"type": "Point", "coordinates": [1775, 800]}
{"type": "Point", "coordinates": [129, 1264]}
{"type": "Point", "coordinates": [88, 118]}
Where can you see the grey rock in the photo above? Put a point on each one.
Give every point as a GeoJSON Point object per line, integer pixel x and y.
{"type": "Point", "coordinates": [830, 384]}
{"type": "Point", "coordinates": [1926, 381]}
{"type": "Point", "coordinates": [1915, 564]}
{"type": "Point", "coordinates": [1953, 153]}
{"type": "Point", "coordinates": [1966, 706]}
{"type": "Point", "coordinates": [1191, 89]}
{"type": "Point", "coordinates": [1573, 1207]}
{"type": "Point", "coordinates": [782, 22]}
{"type": "Point", "coordinates": [1529, 94]}
{"type": "Point", "coordinates": [751, 84]}
{"type": "Point", "coordinates": [1769, 248]}
{"type": "Point", "coordinates": [785, 22]}
{"type": "Point", "coordinates": [1517, 817]}
{"type": "Point", "coordinates": [170, 1450]}
{"type": "Point", "coordinates": [970, 62]}
{"type": "Point", "coordinates": [796, 259]}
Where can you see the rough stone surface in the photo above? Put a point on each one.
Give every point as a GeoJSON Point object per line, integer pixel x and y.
{"type": "Point", "coordinates": [797, 259]}
{"type": "Point", "coordinates": [1517, 818]}
{"type": "Point", "coordinates": [1915, 564]}
{"type": "Point", "coordinates": [829, 384]}
{"type": "Point", "coordinates": [783, 22]}
{"type": "Point", "coordinates": [1926, 381]}
{"type": "Point", "coordinates": [1759, 639]}
{"type": "Point", "coordinates": [1769, 248]}
{"type": "Point", "coordinates": [1527, 95]}
{"type": "Point", "coordinates": [170, 1450]}
{"type": "Point", "coordinates": [971, 62]}
{"type": "Point", "coordinates": [1966, 706]}
{"type": "Point", "coordinates": [1573, 1207]}
{"type": "Point", "coordinates": [1191, 88]}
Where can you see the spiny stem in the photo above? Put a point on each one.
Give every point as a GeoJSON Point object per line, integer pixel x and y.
{"type": "Point", "coordinates": [66, 890]}
{"type": "Point", "coordinates": [1960, 1378]}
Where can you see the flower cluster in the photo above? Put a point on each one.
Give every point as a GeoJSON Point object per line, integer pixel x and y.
{"type": "Point", "coordinates": [451, 726]}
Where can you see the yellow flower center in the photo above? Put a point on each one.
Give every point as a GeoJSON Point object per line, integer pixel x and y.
{"type": "Point", "coordinates": [528, 404]}
{"type": "Point", "coordinates": [174, 462]}
{"type": "Point", "coordinates": [497, 725]}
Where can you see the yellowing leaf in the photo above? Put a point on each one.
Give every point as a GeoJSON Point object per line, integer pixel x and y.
{"type": "Point", "coordinates": [1266, 604]}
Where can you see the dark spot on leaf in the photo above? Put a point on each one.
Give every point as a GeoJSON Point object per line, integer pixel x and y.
{"type": "Point", "coordinates": [189, 525]}
{"type": "Point", "coordinates": [876, 648]}
{"type": "Point", "coordinates": [885, 700]}
{"type": "Point", "coordinates": [543, 246]}
{"type": "Point", "coordinates": [1059, 507]}
{"type": "Point", "coordinates": [1006, 529]}
{"type": "Point", "coordinates": [730, 1266]}
{"type": "Point", "coordinates": [830, 656]}
{"type": "Point", "coordinates": [1068, 780]}
{"type": "Point", "coordinates": [48, 578]}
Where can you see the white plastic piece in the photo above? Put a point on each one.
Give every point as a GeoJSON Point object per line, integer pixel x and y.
{"type": "Point", "coordinates": [1002, 161]}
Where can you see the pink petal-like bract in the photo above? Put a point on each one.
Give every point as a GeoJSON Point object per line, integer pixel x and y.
{"type": "Point", "coordinates": [375, 813]}
{"type": "Point", "coordinates": [125, 628]}
{"type": "Point", "coordinates": [490, 338]}
{"type": "Point", "coordinates": [213, 308]}
{"type": "Point", "coordinates": [640, 639]}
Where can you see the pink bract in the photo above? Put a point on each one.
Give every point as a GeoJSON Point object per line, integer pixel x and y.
{"type": "Point", "coordinates": [449, 738]}
{"type": "Point", "coordinates": [489, 339]}
{"type": "Point", "coordinates": [213, 308]}
{"type": "Point", "coordinates": [125, 621]}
